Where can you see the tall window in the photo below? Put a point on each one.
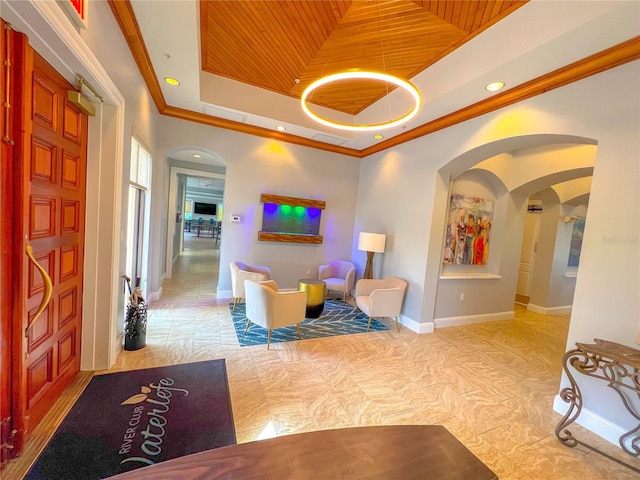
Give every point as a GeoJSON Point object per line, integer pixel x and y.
{"type": "Point", "coordinates": [138, 215]}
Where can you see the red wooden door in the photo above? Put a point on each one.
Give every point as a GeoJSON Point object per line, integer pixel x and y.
{"type": "Point", "coordinates": [49, 197]}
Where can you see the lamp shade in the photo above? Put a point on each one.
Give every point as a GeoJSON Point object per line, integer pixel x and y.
{"type": "Point", "coordinates": [372, 242]}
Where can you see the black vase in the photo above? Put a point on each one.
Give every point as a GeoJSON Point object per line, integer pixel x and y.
{"type": "Point", "coordinates": [135, 326]}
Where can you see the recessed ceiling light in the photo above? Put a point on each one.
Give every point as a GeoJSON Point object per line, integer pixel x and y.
{"type": "Point", "coordinates": [197, 155]}
{"type": "Point", "coordinates": [495, 86]}
{"type": "Point", "coordinates": [171, 81]}
{"type": "Point", "coordinates": [281, 128]}
{"type": "Point", "coordinates": [378, 137]}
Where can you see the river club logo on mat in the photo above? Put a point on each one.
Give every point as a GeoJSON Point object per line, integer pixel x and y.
{"type": "Point", "coordinates": [131, 419]}
{"type": "Point", "coordinates": [149, 420]}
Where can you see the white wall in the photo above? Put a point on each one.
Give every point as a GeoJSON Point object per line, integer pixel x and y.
{"type": "Point", "coordinates": [394, 194]}
{"type": "Point", "coordinates": [606, 302]}
{"type": "Point", "coordinates": [106, 42]}
{"type": "Point", "coordinates": [179, 226]}
{"type": "Point", "coordinates": [551, 290]}
{"type": "Point", "coordinates": [606, 297]}
{"type": "Point", "coordinates": [255, 166]}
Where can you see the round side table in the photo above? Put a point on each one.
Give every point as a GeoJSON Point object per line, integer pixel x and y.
{"type": "Point", "coordinates": [316, 291]}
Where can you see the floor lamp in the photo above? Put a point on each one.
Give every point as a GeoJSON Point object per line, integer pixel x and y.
{"type": "Point", "coordinates": [371, 243]}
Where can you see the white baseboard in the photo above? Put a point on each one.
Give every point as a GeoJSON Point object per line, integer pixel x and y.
{"type": "Point", "coordinates": [118, 347]}
{"type": "Point", "coordinates": [549, 311]}
{"type": "Point", "coordinates": [427, 327]}
{"type": "Point", "coordinates": [592, 422]}
{"type": "Point", "coordinates": [469, 319]}
{"type": "Point", "coordinates": [155, 296]}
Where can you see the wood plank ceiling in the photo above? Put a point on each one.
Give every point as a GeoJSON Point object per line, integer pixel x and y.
{"type": "Point", "coordinates": [269, 44]}
{"type": "Point", "coordinates": [596, 63]}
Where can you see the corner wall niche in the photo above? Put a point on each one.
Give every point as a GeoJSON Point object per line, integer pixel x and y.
{"type": "Point", "coordinates": [290, 219]}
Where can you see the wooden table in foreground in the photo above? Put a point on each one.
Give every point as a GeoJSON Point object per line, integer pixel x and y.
{"type": "Point", "coordinates": [384, 452]}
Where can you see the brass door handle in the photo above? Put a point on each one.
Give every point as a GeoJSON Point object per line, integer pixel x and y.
{"type": "Point", "coordinates": [48, 287]}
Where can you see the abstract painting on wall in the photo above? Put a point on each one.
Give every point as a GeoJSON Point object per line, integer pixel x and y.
{"type": "Point", "coordinates": [576, 242]}
{"type": "Point", "coordinates": [468, 230]}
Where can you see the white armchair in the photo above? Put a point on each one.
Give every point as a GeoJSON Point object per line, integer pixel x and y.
{"type": "Point", "coordinates": [241, 272]}
{"type": "Point", "coordinates": [381, 297]}
{"type": "Point", "coordinates": [339, 276]}
{"type": "Point", "coordinates": [271, 309]}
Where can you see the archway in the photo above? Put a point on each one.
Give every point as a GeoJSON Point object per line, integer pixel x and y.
{"type": "Point", "coordinates": [181, 161]}
{"type": "Point", "coordinates": [566, 156]}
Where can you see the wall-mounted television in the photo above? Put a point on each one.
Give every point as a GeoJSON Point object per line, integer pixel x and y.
{"type": "Point", "coordinates": [205, 208]}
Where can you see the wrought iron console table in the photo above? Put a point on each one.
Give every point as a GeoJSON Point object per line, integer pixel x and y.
{"type": "Point", "coordinates": [618, 365]}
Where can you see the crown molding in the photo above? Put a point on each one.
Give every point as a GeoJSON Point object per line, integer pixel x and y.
{"type": "Point", "coordinates": [607, 59]}
{"type": "Point", "coordinates": [597, 63]}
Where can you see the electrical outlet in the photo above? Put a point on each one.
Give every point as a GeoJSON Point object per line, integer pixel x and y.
{"type": "Point", "coordinates": [461, 296]}
{"type": "Point", "coordinates": [308, 272]}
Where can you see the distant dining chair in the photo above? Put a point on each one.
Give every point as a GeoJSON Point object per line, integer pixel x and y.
{"type": "Point", "coordinates": [271, 309]}
{"type": "Point", "coordinates": [339, 276]}
{"type": "Point", "coordinates": [198, 226]}
{"type": "Point", "coordinates": [241, 272]}
{"type": "Point", "coordinates": [381, 298]}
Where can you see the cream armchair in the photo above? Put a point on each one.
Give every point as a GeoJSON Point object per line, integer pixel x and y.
{"type": "Point", "coordinates": [381, 297]}
{"type": "Point", "coordinates": [241, 272]}
{"type": "Point", "coordinates": [339, 276]}
{"type": "Point", "coordinates": [271, 309]}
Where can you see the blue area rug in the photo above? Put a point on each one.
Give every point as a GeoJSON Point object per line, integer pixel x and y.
{"type": "Point", "coordinates": [337, 318]}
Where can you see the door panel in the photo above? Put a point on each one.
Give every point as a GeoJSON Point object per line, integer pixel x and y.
{"type": "Point", "coordinates": [52, 201]}
{"type": "Point", "coordinates": [528, 257]}
{"type": "Point", "coordinates": [68, 303]}
{"type": "Point", "coordinates": [41, 330]}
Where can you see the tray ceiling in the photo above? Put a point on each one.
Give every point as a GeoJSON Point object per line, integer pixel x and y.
{"type": "Point", "coordinates": [283, 46]}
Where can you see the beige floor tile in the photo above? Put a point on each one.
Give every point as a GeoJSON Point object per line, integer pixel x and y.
{"type": "Point", "coordinates": [250, 410]}
{"type": "Point", "coordinates": [255, 434]}
{"type": "Point", "coordinates": [490, 384]}
{"type": "Point", "coordinates": [365, 413]}
{"type": "Point", "coordinates": [324, 408]}
{"type": "Point", "coordinates": [292, 417]}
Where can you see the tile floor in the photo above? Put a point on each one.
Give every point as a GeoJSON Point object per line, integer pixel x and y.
{"type": "Point", "coordinates": [492, 384]}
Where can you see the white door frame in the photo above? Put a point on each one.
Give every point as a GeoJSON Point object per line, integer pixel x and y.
{"type": "Point", "coordinates": [172, 211]}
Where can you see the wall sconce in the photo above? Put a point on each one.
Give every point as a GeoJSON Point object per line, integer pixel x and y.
{"type": "Point", "coordinates": [371, 243]}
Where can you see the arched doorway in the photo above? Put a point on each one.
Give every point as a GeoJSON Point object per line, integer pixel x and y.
{"type": "Point", "coordinates": [185, 162]}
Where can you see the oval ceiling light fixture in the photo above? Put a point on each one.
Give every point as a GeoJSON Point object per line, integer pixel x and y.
{"type": "Point", "coordinates": [378, 137]}
{"type": "Point", "coordinates": [494, 86]}
{"type": "Point", "coordinates": [384, 77]}
{"type": "Point", "coordinates": [197, 155]}
{"type": "Point", "coordinates": [280, 128]}
{"type": "Point", "coordinates": [172, 81]}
